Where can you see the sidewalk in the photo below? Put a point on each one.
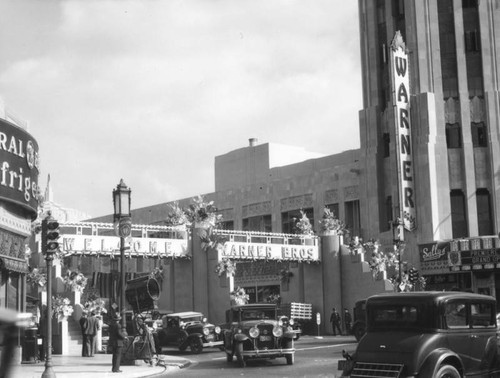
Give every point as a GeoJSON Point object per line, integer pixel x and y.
{"type": "Point", "coordinates": [98, 367]}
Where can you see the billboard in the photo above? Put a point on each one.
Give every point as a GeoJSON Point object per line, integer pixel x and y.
{"type": "Point", "coordinates": [19, 167]}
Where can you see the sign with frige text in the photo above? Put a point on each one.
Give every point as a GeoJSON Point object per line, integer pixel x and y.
{"type": "Point", "coordinates": [401, 99]}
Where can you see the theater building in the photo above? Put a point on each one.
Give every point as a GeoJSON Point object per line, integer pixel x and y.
{"type": "Point", "coordinates": [425, 172]}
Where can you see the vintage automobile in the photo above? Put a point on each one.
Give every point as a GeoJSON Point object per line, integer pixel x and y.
{"type": "Point", "coordinates": [359, 325]}
{"type": "Point", "coordinates": [254, 331]}
{"type": "Point", "coordinates": [427, 334]}
{"type": "Point", "coordinates": [187, 329]}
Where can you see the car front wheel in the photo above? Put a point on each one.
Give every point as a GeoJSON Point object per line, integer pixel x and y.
{"type": "Point", "coordinates": [196, 346]}
{"type": "Point", "coordinates": [447, 371]}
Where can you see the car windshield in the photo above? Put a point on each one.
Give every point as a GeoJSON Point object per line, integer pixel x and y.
{"type": "Point", "coordinates": [394, 315]}
{"type": "Point", "coordinates": [257, 314]}
{"type": "Point", "coordinates": [192, 319]}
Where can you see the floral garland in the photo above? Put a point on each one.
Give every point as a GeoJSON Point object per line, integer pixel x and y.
{"type": "Point", "coordinates": [329, 222]}
{"type": "Point", "coordinates": [61, 308]}
{"type": "Point", "coordinates": [226, 266]}
{"type": "Point", "coordinates": [36, 278]}
{"type": "Point", "coordinates": [303, 225]}
{"type": "Point", "coordinates": [274, 298]}
{"type": "Point", "coordinates": [75, 280]}
{"type": "Point", "coordinates": [379, 261]}
{"type": "Point", "coordinates": [239, 296]}
{"type": "Point", "coordinates": [355, 245]}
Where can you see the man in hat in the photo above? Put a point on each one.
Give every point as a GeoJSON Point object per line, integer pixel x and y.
{"type": "Point", "coordinates": [116, 339]}
{"type": "Point", "coordinates": [83, 326]}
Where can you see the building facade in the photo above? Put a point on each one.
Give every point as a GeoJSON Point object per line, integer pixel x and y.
{"type": "Point", "coordinates": [19, 170]}
{"type": "Point", "coordinates": [453, 65]}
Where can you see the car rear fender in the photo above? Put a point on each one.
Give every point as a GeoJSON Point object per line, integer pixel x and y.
{"type": "Point", "coordinates": [437, 358]}
{"type": "Point", "coordinates": [240, 337]}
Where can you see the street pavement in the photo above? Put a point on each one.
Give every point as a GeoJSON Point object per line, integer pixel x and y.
{"type": "Point", "coordinates": [98, 366]}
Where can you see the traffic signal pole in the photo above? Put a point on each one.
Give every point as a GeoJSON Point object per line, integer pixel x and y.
{"type": "Point", "coordinates": [50, 245]}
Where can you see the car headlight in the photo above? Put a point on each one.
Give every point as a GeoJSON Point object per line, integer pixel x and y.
{"type": "Point", "coordinates": [278, 331]}
{"type": "Point", "coordinates": [291, 322]}
{"type": "Point", "coordinates": [217, 329]}
{"type": "Point", "coordinates": [254, 332]}
{"type": "Point", "coordinates": [206, 331]}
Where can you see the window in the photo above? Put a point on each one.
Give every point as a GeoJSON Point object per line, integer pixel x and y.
{"type": "Point", "coordinates": [289, 220]}
{"type": "Point", "coordinates": [472, 42]}
{"type": "Point", "coordinates": [479, 137]}
{"type": "Point", "coordinates": [352, 217]}
{"type": "Point", "coordinates": [334, 208]}
{"type": "Point", "coordinates": [227, 225]}
{"type": "Point", "coordinates": [388, 213]}
{"type": "Point", "coordinates": [458, 214]}
{"type": "Point", "coordinates": [482, 315]}
{"type": "Point", "coordinates": [258, 223]}
{"type": "Point", "coordinates": [456, 315]}
{"type": "Point", "coordinates": [469, 4]}
{"type": "Point", "coordinates": [397, 316]}
{"type": "Point", "coordinates": [484, 219]}
{"type": "Point", "coordinates": [387, 144]}
{"type": "Point", "coordinates": [453, 135]}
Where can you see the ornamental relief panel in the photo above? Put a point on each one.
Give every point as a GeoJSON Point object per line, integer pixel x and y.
{"type": "Point", "coordinates": [477, 110]}
{"type": "Point", "coordinates": [331, 196]}
{"type": "Point", "coordinates": [351, 193]}
{"type": "Point", "coordinates": [297, 202]}
{"type": "Point", "coordinates": [451, 111]}
{"type": "Point", "coordinates": [12, 245]}
{"type": "Point", "coordinates": [254, 209]}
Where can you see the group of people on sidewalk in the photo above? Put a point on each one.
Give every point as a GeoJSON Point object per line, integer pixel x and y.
{"type": "Point", "coordinates": [336, 321]}
{"type": "Point", "coordinates": [90, 326]}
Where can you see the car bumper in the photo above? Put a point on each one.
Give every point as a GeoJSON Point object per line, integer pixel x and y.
{"type": "Point", "coordinates": [213, 344]}
{"type": "Point", "coordinates": [267, 352]}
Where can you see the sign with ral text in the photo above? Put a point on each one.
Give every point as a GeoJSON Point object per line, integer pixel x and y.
{"type": "Point", "coordinates": [19, 167]}
{"type": "Point", "coordinates": [263, 251]}
{"type": "Point", "coordinates": [401, 99]}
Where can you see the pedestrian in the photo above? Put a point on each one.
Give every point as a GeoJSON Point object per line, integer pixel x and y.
{"type": "Point", "coordinates": [116, 339]}
{"type": "Point", "coordinates": [347, 321]}
{"type": "Point", "coordinates": [91, 328]}
{"type": "Point", "coordinates": [83, 326]}
{"type": "Point", "coordinates": [335, 320]}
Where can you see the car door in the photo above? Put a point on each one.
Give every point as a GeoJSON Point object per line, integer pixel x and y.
{"type": "Point", "coordinates": [458, 330]}
{"type": "Point", "coordinates": [483, 336]}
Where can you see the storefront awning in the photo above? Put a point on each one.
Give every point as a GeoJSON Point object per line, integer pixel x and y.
{"type": "Point", "coordinates": [13, 264]}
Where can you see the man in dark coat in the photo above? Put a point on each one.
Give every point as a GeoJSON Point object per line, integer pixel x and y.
{"type": "Point", "coordinates": [116, 340]}
{"type": "Point", "coordinates": [335, 320]}
{"type": "Point", "coordinates": [347, 321]}
{"type": "Point", "coordinates": [91, 329]}
{"type": "Point", "coordinates": [83, 326]}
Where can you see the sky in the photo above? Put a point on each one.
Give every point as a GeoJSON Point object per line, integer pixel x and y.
{"type": "Point", "coordinates": [150, 91]}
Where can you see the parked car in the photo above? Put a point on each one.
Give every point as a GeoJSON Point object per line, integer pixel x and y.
{"type": "Point", "coordinates": [427, 334]}
{"type": "Point", "coordinates": [359, 325]}
{"type": "Point", "coordinates": [254, 331]}
{"type": "Point", "coordinates": [187, 329]}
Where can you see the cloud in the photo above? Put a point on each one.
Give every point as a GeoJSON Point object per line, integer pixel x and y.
{"type": "Point", "coordinates": [152, 91]}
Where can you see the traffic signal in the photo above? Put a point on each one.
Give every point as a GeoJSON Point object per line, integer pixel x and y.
{"type": "Point", "coordinates": [413, 275]}
{"type": "Point", "coordinates": [50, 235]}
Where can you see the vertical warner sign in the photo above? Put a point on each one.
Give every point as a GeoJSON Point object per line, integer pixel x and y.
{"type": "Point", "coordinates": [401, 100]}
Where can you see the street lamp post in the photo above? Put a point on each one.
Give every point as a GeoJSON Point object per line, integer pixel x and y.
{"type": "Point", "coordinates": [122, 216]}
{"type": "Point", "coordinates": [399, 245]}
